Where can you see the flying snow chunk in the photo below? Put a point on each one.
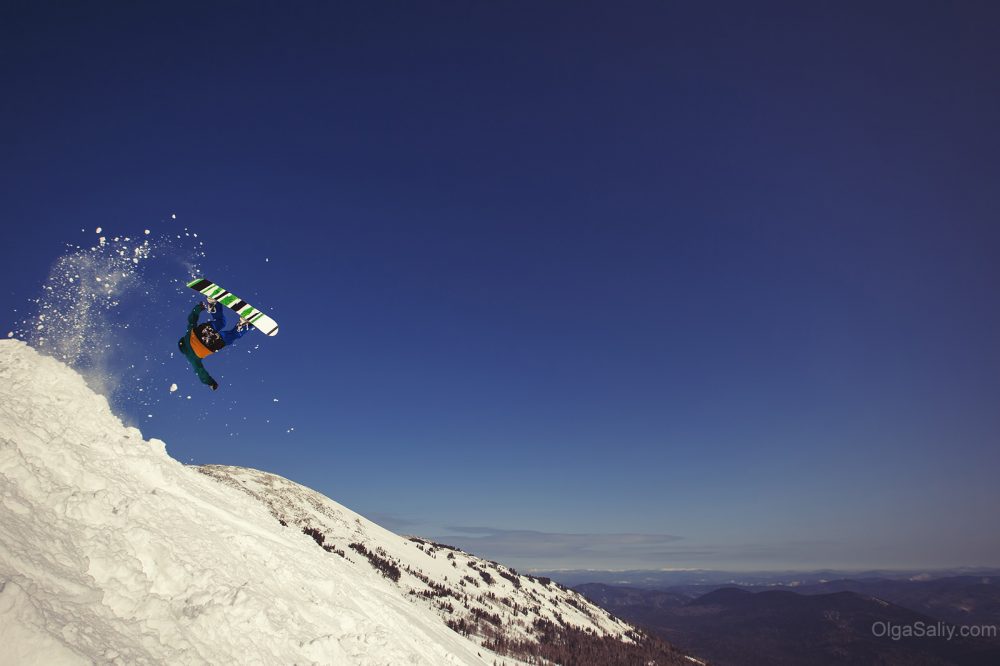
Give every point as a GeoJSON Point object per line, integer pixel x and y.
{"type": "Point", "coordinates": [98, 230]}
{"type": "Point", "coordinates": [173, 387]}
{"type": "Point", "coordinates": [173, 216]}
{"type": "Point", "coordinates": [274, 399]}
{"type": "Point", "coordinates": [146, 232]}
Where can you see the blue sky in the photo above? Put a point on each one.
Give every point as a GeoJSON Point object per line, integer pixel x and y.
{"type": "Point", "coordinates": [715, 286]}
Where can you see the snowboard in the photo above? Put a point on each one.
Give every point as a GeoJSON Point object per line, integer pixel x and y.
{"type": "Point", "coordinates": [255, 317]}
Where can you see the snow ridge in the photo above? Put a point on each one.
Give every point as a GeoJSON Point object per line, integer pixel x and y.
{"type": "Point", "coordinates": [474, 596]}
{"type": "Point", "coordinates": [113, 552]}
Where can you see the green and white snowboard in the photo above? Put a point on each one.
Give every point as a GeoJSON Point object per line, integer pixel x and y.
{"type": "Point", "coordinates": [252, 315]}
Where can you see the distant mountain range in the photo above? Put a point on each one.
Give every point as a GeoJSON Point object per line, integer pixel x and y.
{"type": "Point", "coordinates": [833, 623]}
{"type": "Point", "coordinates": [669, 578]}
{"type": "Point", "coordinates": [957, 599]}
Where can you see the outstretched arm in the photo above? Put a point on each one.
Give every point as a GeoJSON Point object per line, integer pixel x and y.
{"type": "Point", "coordinates": [218, 319]}
{"type": "Point", "coordinates": [234, 334]}
{"type": "Point", "coordinates": [193, 317]}
{"type": "Point", "coordinates": [199, 369]}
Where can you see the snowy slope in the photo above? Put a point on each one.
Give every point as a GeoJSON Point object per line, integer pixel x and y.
{"type": "Point", "coordinates": [112, 552]}
{"type": "Point", "coordinates": [477, 596]}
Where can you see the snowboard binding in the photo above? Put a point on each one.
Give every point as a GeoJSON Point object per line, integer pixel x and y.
{"type": "Point", "coordinates": [210, 305]}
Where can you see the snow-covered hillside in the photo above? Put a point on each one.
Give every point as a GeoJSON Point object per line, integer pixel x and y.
{"type": "Point", "coordinates": [113, 552]}
{"type": "Point", "coordinates": [476, 597]}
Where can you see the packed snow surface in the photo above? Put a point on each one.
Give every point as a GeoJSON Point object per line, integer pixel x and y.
{"type": "Point", "coordinates": [112, 552]}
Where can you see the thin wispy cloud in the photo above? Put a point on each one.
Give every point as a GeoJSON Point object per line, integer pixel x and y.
{"type": "Point", "coordinates": [625, 550]}
{"type": "Point", "coordinates": [393, 523]}
{"type": "Point", "coordinates": [531, 545]}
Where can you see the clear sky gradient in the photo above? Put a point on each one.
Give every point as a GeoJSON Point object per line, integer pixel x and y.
{"type": "Point", "coordinates": [571, 284]}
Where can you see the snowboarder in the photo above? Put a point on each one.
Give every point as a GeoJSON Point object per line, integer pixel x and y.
{"type": "Point", "coordinates": [208, 338]}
